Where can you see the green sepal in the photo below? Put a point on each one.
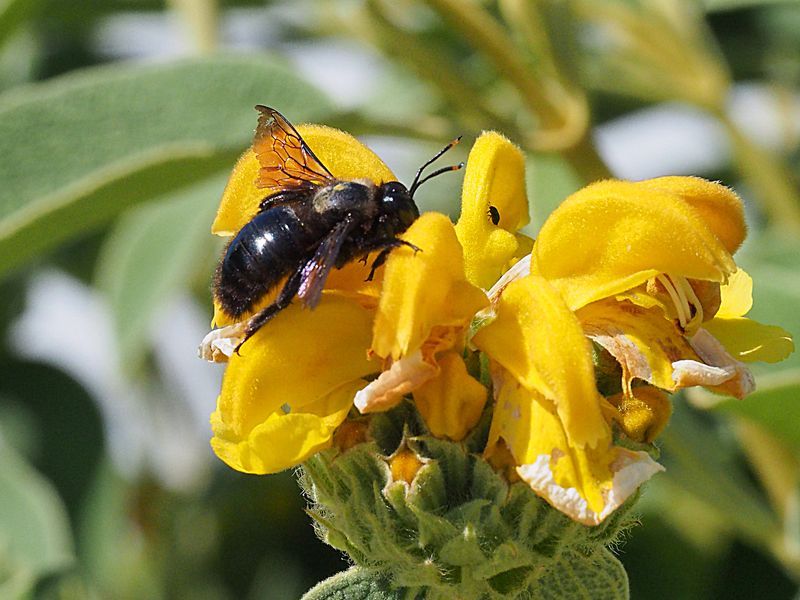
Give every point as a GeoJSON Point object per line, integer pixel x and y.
{"type": "Point", "coordinates": [599, 576]}
{"type": "Point", "coordinates": [358, 584]}
{"type": "Point", "coordinates": [459, 529]}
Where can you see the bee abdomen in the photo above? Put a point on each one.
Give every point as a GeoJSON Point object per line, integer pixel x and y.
{"type": "Point", "coordinates": [264, 251]}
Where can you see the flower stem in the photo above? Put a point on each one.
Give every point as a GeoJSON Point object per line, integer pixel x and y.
{"type": "Point", "coordinates": [769, 178]}
{"type": "Point", "coordinates": [201, 17]}
{"type": "Point", "coordinates": [485, 33]}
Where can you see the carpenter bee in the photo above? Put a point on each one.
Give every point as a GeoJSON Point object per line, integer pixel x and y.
{"type": "Point", "coordinates": [308, 222]}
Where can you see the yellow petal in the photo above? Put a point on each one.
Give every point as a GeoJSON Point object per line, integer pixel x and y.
{"type": "Point", "coordinates": [644, 343]}
{"type": "Point", "coordinates": [587, 484]}
{"type": "Point", "coordinates": [451, 403]}
{"type": "Point", "coordinates": [404, 465]}
{"type": "Point", "coordinates": [495, 176]}
{"type": "Point", "coordinates": [749, 340]}
{"type": "Point", "coordinates": [614, 235]}
{"type": "Point", "coordinates": [343, 155]}
{"type": "Point", "coordinates": [540, 342]}
{"type": "Point", "coordinates": [424, 290]}
{"type": "Point", "coordinates": [718, 206]}
{"type": "Point", "coordinates": [298, 360]}
{"type": "Point", "coordinates": [736, 295]}
{"type": "Point", "coordinates": [281, 440]}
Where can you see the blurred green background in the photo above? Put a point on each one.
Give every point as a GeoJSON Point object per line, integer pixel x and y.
{"type": "Point", "coordinates": [119, 122]}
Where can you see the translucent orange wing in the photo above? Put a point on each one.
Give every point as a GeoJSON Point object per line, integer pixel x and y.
{"type": "Point", "coordinates": [286, 161]}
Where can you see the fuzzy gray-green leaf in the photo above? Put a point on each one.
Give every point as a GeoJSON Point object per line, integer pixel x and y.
{"type": "Point", "coordinates": [79, 149]}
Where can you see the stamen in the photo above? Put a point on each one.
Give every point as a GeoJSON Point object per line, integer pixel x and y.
{"type": "Point", "coordinates": [676, 300]}
{"type": "Point", "coordinates": [676, 282]}
{"type": "Point", "coordinates": [693, 300]}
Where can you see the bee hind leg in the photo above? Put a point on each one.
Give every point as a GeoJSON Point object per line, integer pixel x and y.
{"type": "Point", "coordinates": [284, 299]}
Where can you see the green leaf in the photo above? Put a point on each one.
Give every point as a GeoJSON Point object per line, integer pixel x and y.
{"type": "Point", "coordinates": [550, 180]}
{"type": "Point", "coordinates": [774, 405]}
{"type": "Point", "coordinates": [154, 251]}
{"type": "Point", "coordinates": [772, 263]}
{"type": "Point", "coordinates": [64, 429]}
{"type": "Point", "coordinates": [35, 538]}
{"type": "Point", "coordinates": [355, 584]}
{"type": "Point", "coordinates": [12, 14]}
{"type": "Point", "coordinates": [600, 577]}
{"type": "Point", "coordinates": [78, 150]}
{"type": "Point", "coordinates": [706, 464]}
{"type": "Point", "coordinates": [725, 5]}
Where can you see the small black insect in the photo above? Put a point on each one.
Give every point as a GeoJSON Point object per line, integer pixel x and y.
{"type": "Point", "coordinates": [308, 223]}
{"type": "Point", "coordinates": [494, 215]}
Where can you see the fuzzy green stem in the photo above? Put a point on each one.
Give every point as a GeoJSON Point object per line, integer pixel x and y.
{"type": "Point", "coordinates": [202, 19]}
{"type": "Point", "coordinates": [485, 33]}
{"type": "Point", "coordinates": [431, 65]}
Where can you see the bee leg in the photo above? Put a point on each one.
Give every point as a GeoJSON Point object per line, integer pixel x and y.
{"type": "Point", "coordinates": [386, 248]}
{"type": "Point", "coordinates": [283, 300]}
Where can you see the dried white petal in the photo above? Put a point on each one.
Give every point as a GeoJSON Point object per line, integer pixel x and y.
{"type": "Point", "coordinates": [404, 376]}
{"type": "Point", "coordinates": [630, 469]}
{"type": "Point", "coordinates": [522, 268]}
{"type": "Point", "coordinates": [721, 367]}
{"type": "Point", "coordinates": [220, 344]}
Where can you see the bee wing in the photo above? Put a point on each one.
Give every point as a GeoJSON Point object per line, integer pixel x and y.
{"type": "Point", "coordinates": [315, 271]}
{"type": "Point", "coordinates": [286, 161]}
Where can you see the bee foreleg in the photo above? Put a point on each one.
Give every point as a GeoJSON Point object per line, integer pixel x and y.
{"type": "Point", "coordinates": [386, 248]}
{"type": "Point", "coordinates": [284, 299]}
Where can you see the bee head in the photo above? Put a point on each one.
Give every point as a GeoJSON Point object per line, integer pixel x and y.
{"type": "Point", "coordinates": [397, 204]}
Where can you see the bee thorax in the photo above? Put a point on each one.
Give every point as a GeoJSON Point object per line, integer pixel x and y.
{"type": "Point", "coordinates": [346, 197]}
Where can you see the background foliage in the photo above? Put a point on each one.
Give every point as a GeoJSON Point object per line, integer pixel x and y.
{"type": "Point", "coordinates": [119, 122]}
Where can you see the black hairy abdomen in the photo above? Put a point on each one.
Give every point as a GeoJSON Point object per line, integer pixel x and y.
{"type": "Point", "coordinates": [267, 249]}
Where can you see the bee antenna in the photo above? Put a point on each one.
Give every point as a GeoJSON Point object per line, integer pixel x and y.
{"type": "Point", "coordinates": [416, 183]}
{"type": "Point", "coordinates": [434, 174]}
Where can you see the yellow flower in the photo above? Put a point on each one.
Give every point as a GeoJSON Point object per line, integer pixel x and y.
{"type": "Point", "coordinates": [494, 190]}
{"type": "Point", "coordinates": [642, 263]}
{"type": "Point", "coordinates": [428, 300]}
{"type": "Point", "coordinates": [635, 280]}
{"type": "Point", "coordinates": [294, 381]}
{"type": "Point", "coordinates": [636, 268]}
{"type": "Point", "coordinates": [425, 310]}
{"type": "Point", "coordinates": [291, 386]}
{"type": "Point", "coordinates": [548, 412]}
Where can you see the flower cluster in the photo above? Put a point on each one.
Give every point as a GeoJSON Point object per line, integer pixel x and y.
{"type": "Point", "coordinates": [566, 347]}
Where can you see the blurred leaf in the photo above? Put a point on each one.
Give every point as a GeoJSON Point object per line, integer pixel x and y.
{"type": "Point", "coordinates": [152, 252]}
{"type": "Point", "coordinates": [115, 548]}
{"type": "Point", "coordinates": [698, 459]}
{"type": "Point", "coordinates": [65, 429]}
{"type": "Point", "coordinates": [775, 405]}
{"type": "Point", "coordinates": [79, 149]}
{"type": "Point", "coordinates": [12, 14]}
{"type": "Point", "coordinates": [550, 179]}
{"type": "Point", "coordinates": [722, 5]}
{"type": "Point", "coordinates": [35, 537]}
{"type": "Point", "coordinates": [772, 263]}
